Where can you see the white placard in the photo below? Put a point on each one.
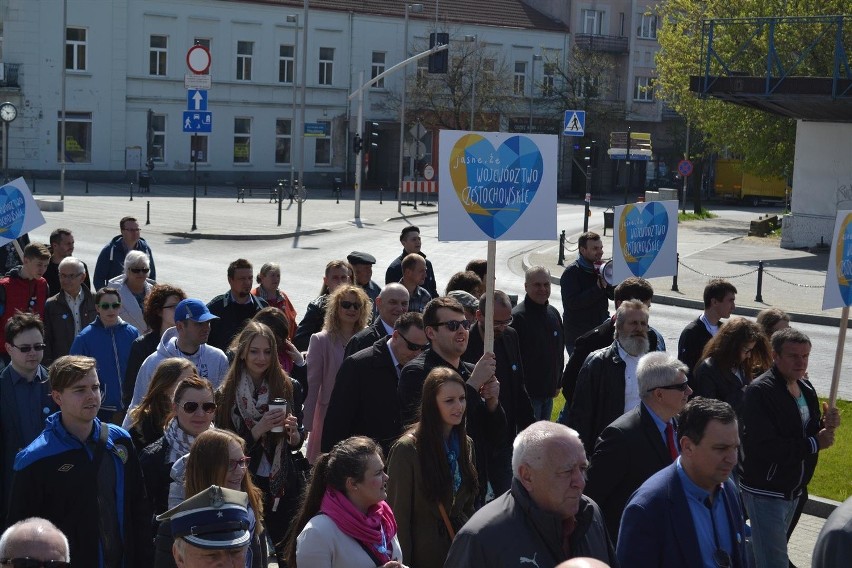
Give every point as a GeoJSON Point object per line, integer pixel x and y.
{"type": "Point", "coordinates": [19, 213]}
{"type": "Point", "coordinates": [644, 240]}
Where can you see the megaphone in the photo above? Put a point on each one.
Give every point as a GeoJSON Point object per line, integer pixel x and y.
{"type": "Point", "coordinates": [605, 271]}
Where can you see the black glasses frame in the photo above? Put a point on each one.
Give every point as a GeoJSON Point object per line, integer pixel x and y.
{"type": "Point", "coordinates": [453, 325]}
{"type": "Point", "coordinates": [676, 387]}
{"type": "Point", "coordinates": [191, 406]}
{"type": "Point", "coordinates": [413, 346]}
{"type": "Point", "coordinates": [28, 348]}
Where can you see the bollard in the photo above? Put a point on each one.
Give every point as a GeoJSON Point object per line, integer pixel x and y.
{"type": "Point", "coordinates": [759, 297]}
{"type": "Point", "coordinates": [674, 278]}
{"type": "Point", "coordinates": [205, 188]}
{"type": "Point", "coordinates": [131, 191]}
{"type": "Point", "coordinates": [148, 213]}
{"type": "Point", "coordinates": [381, 192]}
{"type": "Point", "coordinates": [34, 185]}
{"type": "Point", "coordinates": [87, 186]}
{"type": "Point", "coordinates": [561, 261]}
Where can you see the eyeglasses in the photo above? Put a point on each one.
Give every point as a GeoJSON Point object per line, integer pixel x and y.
{"type": "Point", "coordinates": [132, 229]}
{"type": "Point", "coordinates": [676, 387]}
{"type": "Point", "coordinates": [453, 325]}
{"type": "Point", "coordinates": [350, 305]}
{"type": "Point", "coordinates": [241, 463]}
{"type": "Point", "coordinates": [112, 306]}
{"type": "Point", "coordinates": [413, 346]}
{"type": "Point", "coordinates": [33, 563]}
{"type": "Point", "coordinates": [500, 323]}
{"type": "Point", "coordinates": [70, 276]}
{"type": "Point", "coordinates": [28, 348]}
{"type": "Point", "coordinates": [140, 270]}
{"type": "Point", "coordinates": [191, 406]}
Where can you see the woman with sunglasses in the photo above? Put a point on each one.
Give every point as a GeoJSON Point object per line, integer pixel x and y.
{"type": "Point", "coordinates": [253, 382]}
{"type": "Point", "coordinates": [108, 340]}
{"type": "Point", "coordinates": [146, 422]}
{"type": "Point", "coordinates": [191, 414]}
{"type": "Point", "coordinates": [344, 521]}
{"type": "Point", "coordinates": [268, 280]}
{"type": "Point", "coordinates": [348, 312]}
{"type": "Point", "coordinates": [218, 457]}
{"type": "Point", "coordinates": [433, 481]}
{"type": "Point", "coordinates": [133, 287]}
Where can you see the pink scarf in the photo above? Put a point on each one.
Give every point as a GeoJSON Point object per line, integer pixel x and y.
{"type": "Point", "coordinates": [375, 530]}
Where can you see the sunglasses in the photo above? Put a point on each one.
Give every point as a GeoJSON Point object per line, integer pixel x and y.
{"type": "Point", "coordinates": [413, 346]}
{"type": "Point", "coordinates": [241, 463]}
{"type": "Point", "coordinates": [140, 270]}
{"type": "Point", "coordinates": [70, 276]}
{"type": "Point", "coordinates": [501, 323]}
{"type": "Point", "coordinates": [346, 305]}
{"type": "Point", "coordinates": [113, 306]}
{"type": "Point", "coordinates": [676, 387]}
{"type": "Point", "coordinates": [33, 563]}
{"type": "Point", "coordinates": [454, 325]}
{"type": "Point", "coordinates": [191, 406]}
{"type": "Point", "coordinates": [28, 348]}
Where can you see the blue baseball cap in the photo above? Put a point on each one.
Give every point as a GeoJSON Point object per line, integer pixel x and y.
{"type": "Point", "coordinates": [192, 309]}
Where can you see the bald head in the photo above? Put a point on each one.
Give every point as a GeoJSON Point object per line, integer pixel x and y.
{"type": "Point", "coordinates": [583, 563]}
{"type": "Point", "coordinates": [392, 302]}
{"type": "Point", "coordinates": [34, 538]}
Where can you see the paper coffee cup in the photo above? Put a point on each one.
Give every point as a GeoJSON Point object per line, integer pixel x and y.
{"type": "Point", "coordinates": [276, 404]}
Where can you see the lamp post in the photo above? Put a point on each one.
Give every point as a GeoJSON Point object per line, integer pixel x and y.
{"type": "Point", "coordinates": [475, 40]}
{"type": "Point", "coordinates": [299, 199]}
{"type": "Point", "coordinates": [416, 9]}
{"type": "Point", "coordinates": [291, 19]}
{"type": "Point", "coordinates": [535, 57]}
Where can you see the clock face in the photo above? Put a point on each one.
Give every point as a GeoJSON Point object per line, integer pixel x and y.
{"type": "Point", "coordinates": [8, 112]}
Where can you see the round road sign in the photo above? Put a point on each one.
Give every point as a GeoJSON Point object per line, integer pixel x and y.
{"type": "Point", "coordinates": [684, 168]}
{"type": "Point", "coordinates": [428, 172]}
{"type": "Point", "coordinates": [198, 59]}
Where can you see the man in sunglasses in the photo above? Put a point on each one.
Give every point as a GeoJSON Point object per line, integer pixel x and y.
{"type": "Point", "coordinates": [24, 395]}
{"type": "Point", "coordinates": [364, 400]}
{"type": "Point", "coordinates": [689, 513]}
{"type": "Point", "coordinates": [391, 303]}
{"type": "Point", "coordinates": [24, 288]}
{"type": "Point", "coordinates": [111, 260]}
{"type": "Point", "coordinates": [641, 442]}
{"type": "Point", "coordinates": [34, 543]}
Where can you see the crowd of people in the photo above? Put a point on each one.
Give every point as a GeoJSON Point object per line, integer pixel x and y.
{"type": "Point", "coordinates": [143, 427]}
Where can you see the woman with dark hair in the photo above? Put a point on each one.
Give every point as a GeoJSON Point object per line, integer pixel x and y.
{"type": "Point", "coordinates": [433, 480]}
{"type": "Point", "coordinates": [348, 312]}
{"type": "Point", "coordinates": [729, 361]}
{"type": "Point", "coordinates": [159, 312]}
{"type": "Point", "coordinates": [191, 414]}
{"type": "Point", "coordinates": [254, 381]}
{"type": "Point", "coordinates": [146, 422]}
{"type": "Point", "coordinates": [288, 355]}
{"type": "Point", "coordinates": [268, 280]}
{"type": "Point", "coordinates": [216, 458]}
{"type": "Point", "coordinates": [344, 521]}
{"type": "Point", "coordinates": [772, 320]}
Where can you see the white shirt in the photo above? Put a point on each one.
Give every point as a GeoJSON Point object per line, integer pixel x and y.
{"type": "Point", "coordinates": [74, 304]}
{"type": "Point", "coordinates": [631, 384]}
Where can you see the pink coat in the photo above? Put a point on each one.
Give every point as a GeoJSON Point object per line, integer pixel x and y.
{"type": "Point", "coordinates": [325, 355]}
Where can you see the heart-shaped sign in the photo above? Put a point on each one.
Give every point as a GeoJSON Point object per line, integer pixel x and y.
{"type": "Point", "coordinates": [495, 186]}
{"type": "Point", "coordinates": [843, 260]}
{"type": "Point", "coordinates": [642, 232]}
{"type": "Point", "coordinates": [13, 210]}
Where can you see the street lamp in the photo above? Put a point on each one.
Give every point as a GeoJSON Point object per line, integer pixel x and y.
{"type": "Point", "coordinates": [535, 57]}
{"type": "Point", "coordinates": [292, 19]}
{"type": "Point", "coordinates": [415, 9]}
{"type": "Point", "coordinates": [299, 198]}
{"type": "Point", "coordinates": [475, 40]}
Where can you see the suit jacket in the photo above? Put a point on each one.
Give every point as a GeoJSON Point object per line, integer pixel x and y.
{"type": "Point", "coordinates": [59, 331]}
{"type": "Point", "coordinates": [657, 528]}
{"type": "Point", "coordinates": [627, 453]}
{"type": "Point", "coordinates": [366, 338]}
{"type": "Point", "coordinates": [325, 355]}
{"type": "Point", "coordinates": [364, 401]}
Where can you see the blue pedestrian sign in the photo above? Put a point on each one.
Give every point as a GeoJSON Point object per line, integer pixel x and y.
{"type": "Point", "coordinates": [196, 99]}
{"type": "Point", "coordinates": [197, 121]}
{"type": "Point", "coordinates": [575, 123]}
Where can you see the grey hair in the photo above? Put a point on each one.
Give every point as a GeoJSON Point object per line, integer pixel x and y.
{"type": "Point", "coordinates": [530, 446]}
{"type": "Point", "coordinates": [621, 312]}
{"type": "Point", "coordinates": [657, 369]}
{"type": "Point", "coordinates": [533, 270]}
{"type": "Point", "coordinates": [134, 257]}
{"type": "Point", "coordinates": [30, 529]}
{"type": "Point", "coordinates": [69, 261]}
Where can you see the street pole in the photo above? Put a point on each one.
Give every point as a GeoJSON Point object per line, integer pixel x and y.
{"type": "Point", "coordinates": [194, 155]}
{"type": "Point", "coordinates": [61, 105]}
{"type": "Point", "coordinates": [473, 87]}
{"type": "Point", "coordinates": [360, 133]}
{"type": "Point", "coordinates": [293, 18]}
{"type": "Point", "coordinates": [685, 157]}
{"type": "Point", "coordinates": [532, 86]}
{"type": "Point", "coordinates": [302, 122]}
{"type": "Point", "coordinates": [629, 170]}
{"type": "Point", "coordinates": [416, 8]}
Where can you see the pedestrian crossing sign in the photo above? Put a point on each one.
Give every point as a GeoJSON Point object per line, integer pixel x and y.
{"type": "Point", "coordinates": [575, 123]}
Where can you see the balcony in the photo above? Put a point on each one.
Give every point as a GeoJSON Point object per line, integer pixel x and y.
{"type": "Point", "coordinates": [9, 75]}
{"type": "Point", "coordinates": [602, 43]}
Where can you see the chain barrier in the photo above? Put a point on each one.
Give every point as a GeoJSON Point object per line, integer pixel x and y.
{"type": "Point", "coordinates": [768, 273]}
{"type": "Point", "coordinates": [713, 276]}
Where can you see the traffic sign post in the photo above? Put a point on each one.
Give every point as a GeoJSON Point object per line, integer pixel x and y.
{"type": "Point", "coordinates": [575, 123]}
{"type": "Point", "coordinates": [196, 99]}
{"type": "Point", "coordinates": [197, 121]}
{"type": "Point", "coordinates": [197, 118]}
{"type": "Point", "coordinates": [198, 59]}
{"type": "Point", "coordinates": [684, 168]}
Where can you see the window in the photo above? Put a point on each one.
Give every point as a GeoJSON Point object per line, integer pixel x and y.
{"type": "Point", "coordinates": [283, 140]}
{"type": "Point", "coordinates": [244, 53]}
{"type": "Point", "coordinates": [78, 137]}
{"type": "Point", "coordinates": [489, 66]}
{"type": "Point", "coordinates": [286, 63]}
{"type": "Point", "coordinates": [206, 43]}
{"type": "Point", "coordinates": [322, 153]}
{"type": "Point", "coordinates": [242, 140]}
{"type": "Point", "coordinates": [158, 137]}
{"type": "Point", "coordinates": [592, 22]}
{"type": "Point", "coordinates": [422, 71]}
{"type": "Point", "coordinates": [548, 82]}
{"type": "Point", "coordinates": [648, 27]}
{"type": "Point", "coordinates": [326, 65]}
{"type": "Point", "coordinates": [198, 148]}
{"type": "Point", "coordinates": [378, 69]}
{"type": "Point", "coordinates": [643, 89]}
{"type": "Point", "coordinates": [519, 86]}
{"type": "Point", "coordinates": [157, 55]}
{"type": "Point", "coordinates": [75, 49]}
{"type": "Point", "coordinates": [587, 87]}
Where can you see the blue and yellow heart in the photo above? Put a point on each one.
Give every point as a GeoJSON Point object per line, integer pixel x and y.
{"type": "Point", "coordinates": [843, 260]}
{"type": "Point", "coordinates": [13, 210]}
{"type": "Point", "coordinates": [495, 185]}
{"type": "Point", "coordinates": [642, 231]}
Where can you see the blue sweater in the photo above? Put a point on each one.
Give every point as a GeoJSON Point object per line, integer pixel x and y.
{"type": "Point", "coordinates": [110, 347]}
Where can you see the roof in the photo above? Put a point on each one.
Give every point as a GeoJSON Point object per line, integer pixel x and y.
{"type": "Point", "coordinates": [499, 13]}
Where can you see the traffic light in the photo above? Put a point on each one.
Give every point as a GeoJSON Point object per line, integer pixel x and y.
{"type": "Point", "coordinates": [593, 155]}
{"type": "Point", "coordinates": [357, 144]}
{"type": "Point", "coordinates": [439, 62]}
{"type": "Point", "coordinates": [374, 135]}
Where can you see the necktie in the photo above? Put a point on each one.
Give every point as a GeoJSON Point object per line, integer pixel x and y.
{"type": "Point", "coordinates": [670, 441]}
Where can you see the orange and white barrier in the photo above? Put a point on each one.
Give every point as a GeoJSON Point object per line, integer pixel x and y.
{"type": "Point", "coordinates": [420, 186]}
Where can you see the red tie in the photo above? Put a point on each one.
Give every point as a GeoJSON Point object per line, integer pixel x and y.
{"type": "Point", "coordinates": [670, 441]}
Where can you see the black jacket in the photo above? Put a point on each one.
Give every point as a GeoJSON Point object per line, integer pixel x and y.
{"type": "Point", "coordinates": [709, 381]}
{"type": "Point", "coordinates": [779, 456]}
{"type": "Point", "coordinates": [584, 303]}
{"type": "Point", "coordinates": [692, 340]}
{"type": "Point", "coordinates": [139, 350]}
{"type": "Point", "coordinates": [542, 346]}
{"type": "Point", "coordinates": [366, 338]}
{"type": "Point", "coordinates": [311, 323]}
{"type": "Point", "coordinates": [157, 473]}
{"type": "Point", "coordinates": [394, 273]}
{"type": "Point", "coordinates": [232, 318]}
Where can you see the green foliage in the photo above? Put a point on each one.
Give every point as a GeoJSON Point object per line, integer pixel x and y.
{"type": "Point", "coordinates": [704, 214]}
{"type": "Point", "coordinates": [831, 479]}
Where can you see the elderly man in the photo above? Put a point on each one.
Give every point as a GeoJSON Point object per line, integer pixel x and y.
{"type": "Point", "coordinates": [111, 260]}
{"type": "Point", "coordinates": [642, 441]}
{"type": "Point", "coordinates": [61, 247]}
{"type": "Point", "coordinates": [69, 311]}
{"type": "Point", "coordinates": [544, 519]}
{"type": "Point", "coordinates": [34, 541]}
{"type": "Point", "coordinates": [413, 278]}
{"type": "Point", "coordinates": [362, 263]}
{"type": "Point", "coordinates": [689, 513]}
{"type": "Point", "coordinates": [235, 307]}
{"type": "Point", "coordinates": [210, 529]}
{"type": "Point", "coordinates": [392, 302]}
{"type": "Point", "coordinates": [607, 385]}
